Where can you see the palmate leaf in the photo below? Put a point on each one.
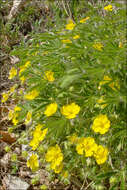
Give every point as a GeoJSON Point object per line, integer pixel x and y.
{"type": "Point", "coordinates": [56, 127]}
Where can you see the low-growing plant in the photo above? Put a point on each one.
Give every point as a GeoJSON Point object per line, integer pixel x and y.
{"type": "Point", "coordinates": [72, 99]}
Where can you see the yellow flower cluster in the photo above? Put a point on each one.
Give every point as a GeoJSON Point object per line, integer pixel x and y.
{"type": "Point", "coordinates": [31, 95]}
{"type": "Point", "coordinates": [38, 136]}
{"type": "Point", "coordinates": [55, 157]}
{"type": "Point", "coordinates": [108, 8]}
{"type": "Point", "coordinates": [12, 89]}
{"type": "Point", "coordinates": [50, 109]}
{"type": "Point", "coordinates": [98, 46]}
{"type": "Point", "coordinates": [70, 25]}
{"type": "Point", "coordinates": [49, 75]}
{"type": "Point", "coordinates": [12, 73]}
{"type": "Point", "coordinates": [13, 115]}
{"type": "Point", "coordinates": [28, 117]}
{"type": "Point", "coordinates": [5, 97]}
{"type": "Point", "coordinates": [33, 162]}
{"type": "Point", "coordinates": [23, 68]}
{"type": "Point", "coordinates": [70, 110]}
{"type": "Point", "coordinates": [84, 20]}
{"type": "Point", "coordinates": [101, 124]}
{"type": "Point", "coordinates": [88, 146]}
{"type": "Point", "coordinates": [107, 79]}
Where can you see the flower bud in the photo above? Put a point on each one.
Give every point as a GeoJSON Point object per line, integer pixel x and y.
{"type": "Point", "coordinates": [113, 180]}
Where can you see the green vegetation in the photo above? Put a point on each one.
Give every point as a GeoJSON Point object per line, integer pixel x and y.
{"type": "Point", "coordinates": [71, 95]}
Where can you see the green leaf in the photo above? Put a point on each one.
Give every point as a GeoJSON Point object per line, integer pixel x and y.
{"type": "Point", "coordinates": [105, 175]}
{"type": "Point", "coordinates": [68, 79]}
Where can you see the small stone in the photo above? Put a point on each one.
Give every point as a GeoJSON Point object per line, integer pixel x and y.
{"type": "Point", "coordinates": [5, 160]}
{"type": "Point", "coordinates": [15, 183]}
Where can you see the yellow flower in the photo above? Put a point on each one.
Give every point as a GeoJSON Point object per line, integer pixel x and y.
{"type": "Point", "coordinates": [108, 8]}
{"type": "Point", "coordinates": [89, 146]}
{"type": "Point", "coordinates": [107, 79]}
{"type": "Point", "coordinates": [80, 146]}
{"type": "Point", "coordinates": [70, 25]}
{"type": "Point", "coordinates": [17, 108]}
{"type": "Point", "coordinates": [66, 41]}
{"type": "Point", "coordinates": [21, 69]}
{"type": "Point", "coordinates": [38, 136]}
{"type": "Point", "coordinates": [32, 162]}
{"type": "Point", "coordinates": [101, 124]}
{"type": "Point", "coordinates": [22, 79]}
{"type": "Point", "coordinates": [120, 44]}
{"type": "Point", "coordinates": [5, 97]}
{"type": "Point", "coordinates": [58, 168]}
{"type": "Point", "coordinates": [31, 95]}
{"type": "Point", "coordinates": [39, 133]}
{"type": "Point", "coordinates": [101, 103]}
{"type": "Point", "coordinates": [98, 46]}
{"type": "Point", "coordinates": [76, 37]}
{"type": "Point", "coordinates": [49, 75]}
{"type": "Point", "coordinates": [70, 111]}
{"type": "Point", "coordinates": [73, 139]}
{"type": "Point", "coordinates": [86, 145]}
{"type": "Point", "coordinates": [12, 89]}
{"type": "Point", "coordinates": [84, 20]}
{"type": "Point", "coordinates": [115, 84]}
{"type": "Point", "coordinates": [14, 119]}
{"type": "Point", "coordinates": [28, 117]}
{"type": "Point", "coordinates": [27, 64]}
{"type": "Point", "coordinates": [101, 154]}
{"type": "Point", "coordinates": [55, 156]}
{"type": "Point", "coordinates": [34, 143]}
{"type": "Point", "coordinates": [10, 114]}
{"type": "Point", "coordinates": [12, 73]}
{"type": "Point", "coordinates": [50, 109]}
